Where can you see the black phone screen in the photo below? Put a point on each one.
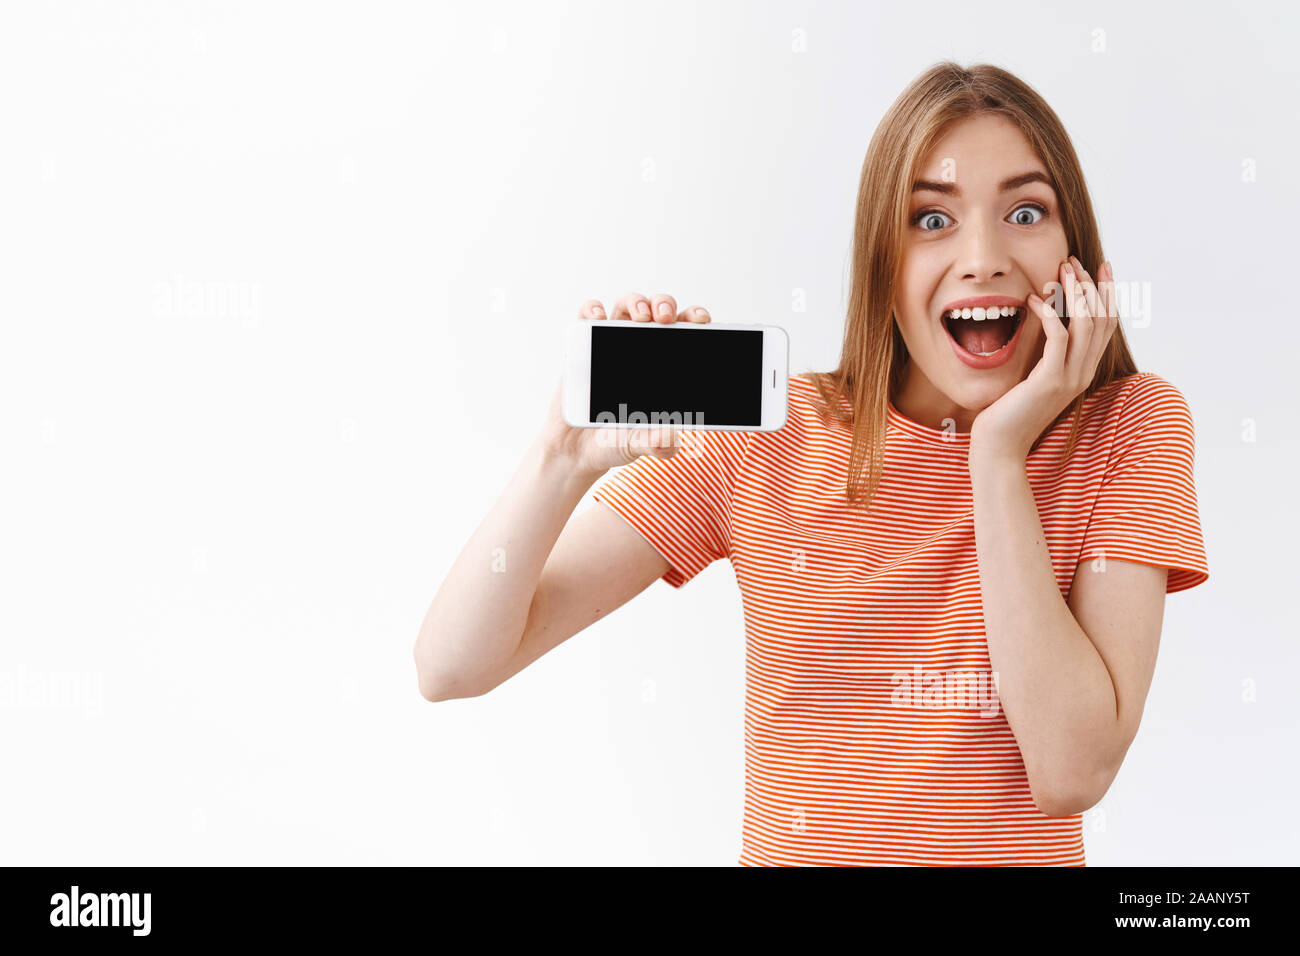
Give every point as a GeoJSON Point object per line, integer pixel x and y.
{"type": "Point", "coordinates": [703, 376]}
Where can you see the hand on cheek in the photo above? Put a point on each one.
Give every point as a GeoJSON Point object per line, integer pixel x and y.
{"type": "Point", "coordinates": [1063, 367]}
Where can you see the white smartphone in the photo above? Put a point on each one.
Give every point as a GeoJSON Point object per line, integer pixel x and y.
{"type": "Point", "coordinates": [714, 376]}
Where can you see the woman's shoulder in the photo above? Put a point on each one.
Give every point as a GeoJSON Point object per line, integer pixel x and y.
{"type": "Point", "coordinates": [1137, 393]}
{"type": "Point", "coordinates": [812, 391]}
{"type": "Point", "coordinates": [1136, 402]}
{"type": "Point", "coordinates": [809, 397]}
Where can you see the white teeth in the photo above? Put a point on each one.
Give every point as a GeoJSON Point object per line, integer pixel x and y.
{"type": "Point", "coordinates": [979, 314]}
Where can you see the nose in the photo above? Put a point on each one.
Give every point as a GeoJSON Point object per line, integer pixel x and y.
{"type": "Point", "coordinates": [982, 254]}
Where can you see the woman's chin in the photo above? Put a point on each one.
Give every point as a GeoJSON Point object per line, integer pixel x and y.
{"type": "Point", "coordinates": [975, 396]}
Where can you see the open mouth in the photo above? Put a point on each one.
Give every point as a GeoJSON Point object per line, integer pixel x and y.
{"type": "Point", "coordinates": [984, 332]}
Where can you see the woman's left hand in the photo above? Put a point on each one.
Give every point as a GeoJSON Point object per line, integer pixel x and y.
{"type": "Point", "coordinates": [1009, 426]}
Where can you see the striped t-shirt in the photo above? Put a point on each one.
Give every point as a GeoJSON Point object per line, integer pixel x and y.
{"type": "Point", "coordinates": [873, 734]}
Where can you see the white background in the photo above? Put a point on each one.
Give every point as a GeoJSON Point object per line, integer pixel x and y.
{"type": "Point", "coordinates": [283, 295]}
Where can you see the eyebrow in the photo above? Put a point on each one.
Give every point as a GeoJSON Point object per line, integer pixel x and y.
{"type": "Point", "coordinates": [1015, 182]}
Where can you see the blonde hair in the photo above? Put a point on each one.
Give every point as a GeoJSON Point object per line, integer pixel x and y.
{"type": "Point", "coordinates": [874, 357]}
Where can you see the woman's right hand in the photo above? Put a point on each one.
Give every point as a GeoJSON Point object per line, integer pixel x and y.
{"type": "Point", "coordinates": [595, 450]}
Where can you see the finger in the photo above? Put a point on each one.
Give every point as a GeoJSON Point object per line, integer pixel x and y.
{"type": "Point", "coordinates": [591, 309]}
{"type": "Point", "coordinates": [664, 442]}
{"type": "Point", "coordinates": [1081, 325]}
{"type": "Point", "coordinates": [1109, 298]}
{"type": "Point", "coordinates": [1103, 331]}
{"type": "Point", "coordinates": [1101, 326]}
{"type": "Point", "coordinates": [632, 306]}
{"type": "Point", "coordinates": [696, 313]}
{"type": "Point", "coordinates": [1057, 337]}
{"type": "Point", "coordinates": [1107, 321]}
{"type": "Point", "coordinates": [660, 442]}
{"type": "Point", "coordinates": [664, 308]}
{"type": "Point", "coordinates": [1089, 287]}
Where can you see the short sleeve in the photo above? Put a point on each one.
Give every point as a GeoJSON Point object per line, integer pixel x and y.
{"type": "Point", "coordinates": [682, 504]}
{"type": "Point", "coordinates": [1146, 510]}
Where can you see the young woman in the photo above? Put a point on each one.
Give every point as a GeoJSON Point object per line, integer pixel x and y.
{"type": "Point", "coordinates": [953, 558]}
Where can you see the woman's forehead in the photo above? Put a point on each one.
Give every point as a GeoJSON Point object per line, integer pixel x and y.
{"type": "Point", "coordinates": [985, 136]}
{"type": "Point", "coordinates": [991, 156]}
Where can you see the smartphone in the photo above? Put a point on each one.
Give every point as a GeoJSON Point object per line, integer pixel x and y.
{"type": "Point", "coordinates": [714, 376]}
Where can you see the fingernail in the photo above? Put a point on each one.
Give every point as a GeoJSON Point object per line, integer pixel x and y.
{"type": "Point", "coordinates": [643, 309]}
{"type": "Point", "coordinates": [699, 313]}
{"type": "Point", "coordinates": [665, 308]}
{"type": "Point", "coordinates": [597, 311]}
{"type": "Point", "coordinates": [1069, 269]}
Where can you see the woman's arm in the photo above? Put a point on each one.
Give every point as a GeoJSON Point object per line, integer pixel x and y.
{"type": "Point", "coordinates": [508, 599]}
{"type": "Point", "coordinates": [1073, 678]}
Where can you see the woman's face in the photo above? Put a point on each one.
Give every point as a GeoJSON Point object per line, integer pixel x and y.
{"type": "Point", "coordinates": [976, 229]}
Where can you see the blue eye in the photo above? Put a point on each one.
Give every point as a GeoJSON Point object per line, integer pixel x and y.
{"type": "Point", "coordinates": [1030, 205]}
{"type": "Point", "coordinates": [927, 214]}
